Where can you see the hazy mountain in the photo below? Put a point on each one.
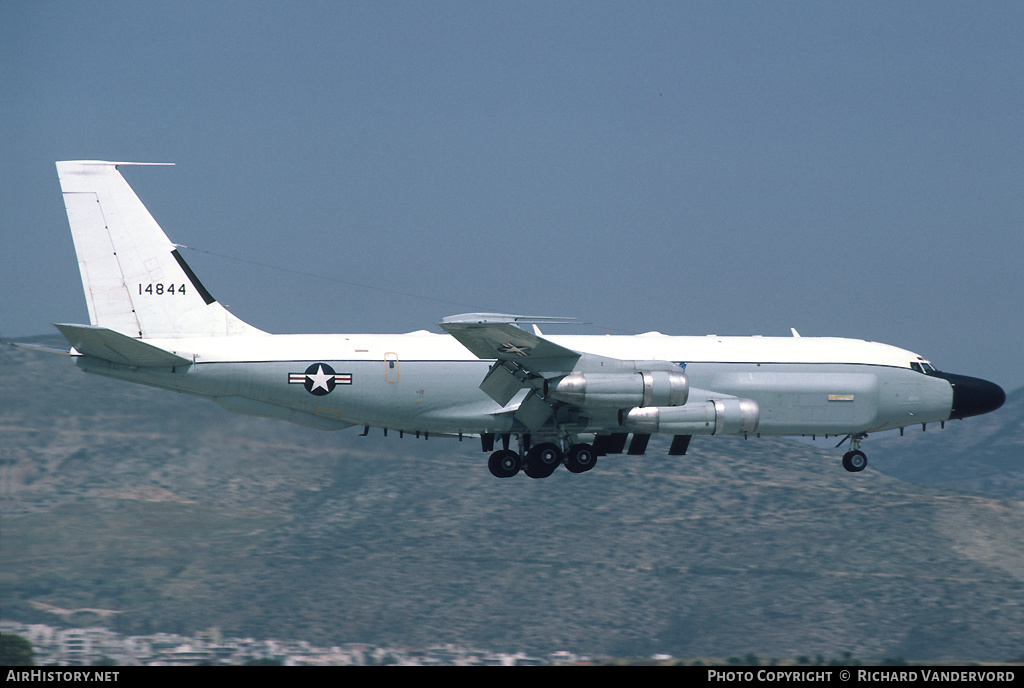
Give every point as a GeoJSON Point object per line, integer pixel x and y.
{"type": "Point", "coordinates": [161, 512]}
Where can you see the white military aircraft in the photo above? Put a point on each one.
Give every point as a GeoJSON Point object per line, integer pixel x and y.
{"type": "Point", "coordinates": [563, 399]}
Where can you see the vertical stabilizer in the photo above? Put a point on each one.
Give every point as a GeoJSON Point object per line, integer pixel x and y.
{"type": "Point", "coordinates": [135, 281]}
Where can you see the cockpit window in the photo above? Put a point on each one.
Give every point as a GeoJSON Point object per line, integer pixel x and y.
{"type": "Point", "coordinates": [922, 366]}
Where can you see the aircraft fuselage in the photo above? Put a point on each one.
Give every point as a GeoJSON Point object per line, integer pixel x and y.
{"type": "Point", "coordinates": [418, 382]}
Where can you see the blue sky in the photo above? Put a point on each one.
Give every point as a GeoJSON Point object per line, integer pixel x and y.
{"type": "Point", "coordinates": [848, 169]}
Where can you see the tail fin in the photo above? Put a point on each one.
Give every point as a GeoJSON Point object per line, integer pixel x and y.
{"type": "Point", "coordinates": [135, 281]}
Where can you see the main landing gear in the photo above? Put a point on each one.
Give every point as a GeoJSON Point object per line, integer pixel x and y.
{"type": "Point", "coordinates": [541, 460]}
{"type": "Point", "coordinates": [854, 460]}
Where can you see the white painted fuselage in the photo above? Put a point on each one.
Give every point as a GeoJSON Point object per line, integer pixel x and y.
{"type": "Point", "coordinates": [429, 383]}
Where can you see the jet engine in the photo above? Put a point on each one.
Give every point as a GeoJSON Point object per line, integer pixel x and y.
{"type": "Point", "coordinates": [714, 417]}
{"type": "Point", "coordinates": [620, 390]}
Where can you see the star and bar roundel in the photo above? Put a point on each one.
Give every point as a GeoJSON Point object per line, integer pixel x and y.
{"type": "Point", "coordinates": [319, 379]}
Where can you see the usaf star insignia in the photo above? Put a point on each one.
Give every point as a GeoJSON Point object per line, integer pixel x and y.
{"type": "Point", "coordinates": [510, 348]}
{"type": "Point", "coordinates": [319, 379]}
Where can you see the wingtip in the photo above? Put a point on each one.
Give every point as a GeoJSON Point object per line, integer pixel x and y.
{"type": "Point", "coordinates": [494, 318]}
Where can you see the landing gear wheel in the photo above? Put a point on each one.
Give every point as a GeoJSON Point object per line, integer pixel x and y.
{"type": "Point", "coordinates": [581, 458]}
{"type": "Point", "coordinates": [855, 461]}
{"type": "Point", "coordinates": [504, 463]}
{"type": "Point", "coordinates": [542, 460]}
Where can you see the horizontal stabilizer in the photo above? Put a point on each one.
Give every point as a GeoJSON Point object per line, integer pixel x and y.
{"type": "Point", "coordinates": [99, 342]}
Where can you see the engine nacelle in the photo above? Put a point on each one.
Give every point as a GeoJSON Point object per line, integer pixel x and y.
{"type": "Point", "coordinates": [620, 390]}
{"type": "Point", "coordinates": [714, 417]}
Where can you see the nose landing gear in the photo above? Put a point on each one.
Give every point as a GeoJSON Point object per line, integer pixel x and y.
{"type": "Point", "coordinates": [854, 460]}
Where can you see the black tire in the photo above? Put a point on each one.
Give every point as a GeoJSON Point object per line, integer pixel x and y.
{"type": "Point", "coordinates": [580, 458]}
{"type": "Point", "coordinates": [504, 463]}
{"type": "Point", "coordinates": [542, 460]}
{"type": "Point", "coordinates": [855, 461]}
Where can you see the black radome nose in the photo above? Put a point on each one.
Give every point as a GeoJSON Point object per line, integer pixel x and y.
{"type": "Point", "coordinates": [972, 396]}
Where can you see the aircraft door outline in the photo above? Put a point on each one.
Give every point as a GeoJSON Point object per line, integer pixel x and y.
{"type": "Point", "coordinates": [391, 367]}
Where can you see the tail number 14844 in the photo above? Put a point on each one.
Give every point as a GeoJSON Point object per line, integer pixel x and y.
{"type": "Point", "coordinates": [161, 289]}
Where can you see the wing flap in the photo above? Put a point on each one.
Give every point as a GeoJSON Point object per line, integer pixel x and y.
{"type": "Point", "coordinates": [501, 384]}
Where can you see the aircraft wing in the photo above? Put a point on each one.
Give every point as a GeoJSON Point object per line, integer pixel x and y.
{"type": "Point", "coordinates": [527, 360]}
{"type": "Point", "coordinates": [498, 336]}
{"type": "Point", "coordinates": [521, 359]}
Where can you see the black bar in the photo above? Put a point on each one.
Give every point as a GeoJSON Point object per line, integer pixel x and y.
{"type": "Point", "coordinates": [679, 445]}
{"type": "Point", "coordinates": [192, 278]}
